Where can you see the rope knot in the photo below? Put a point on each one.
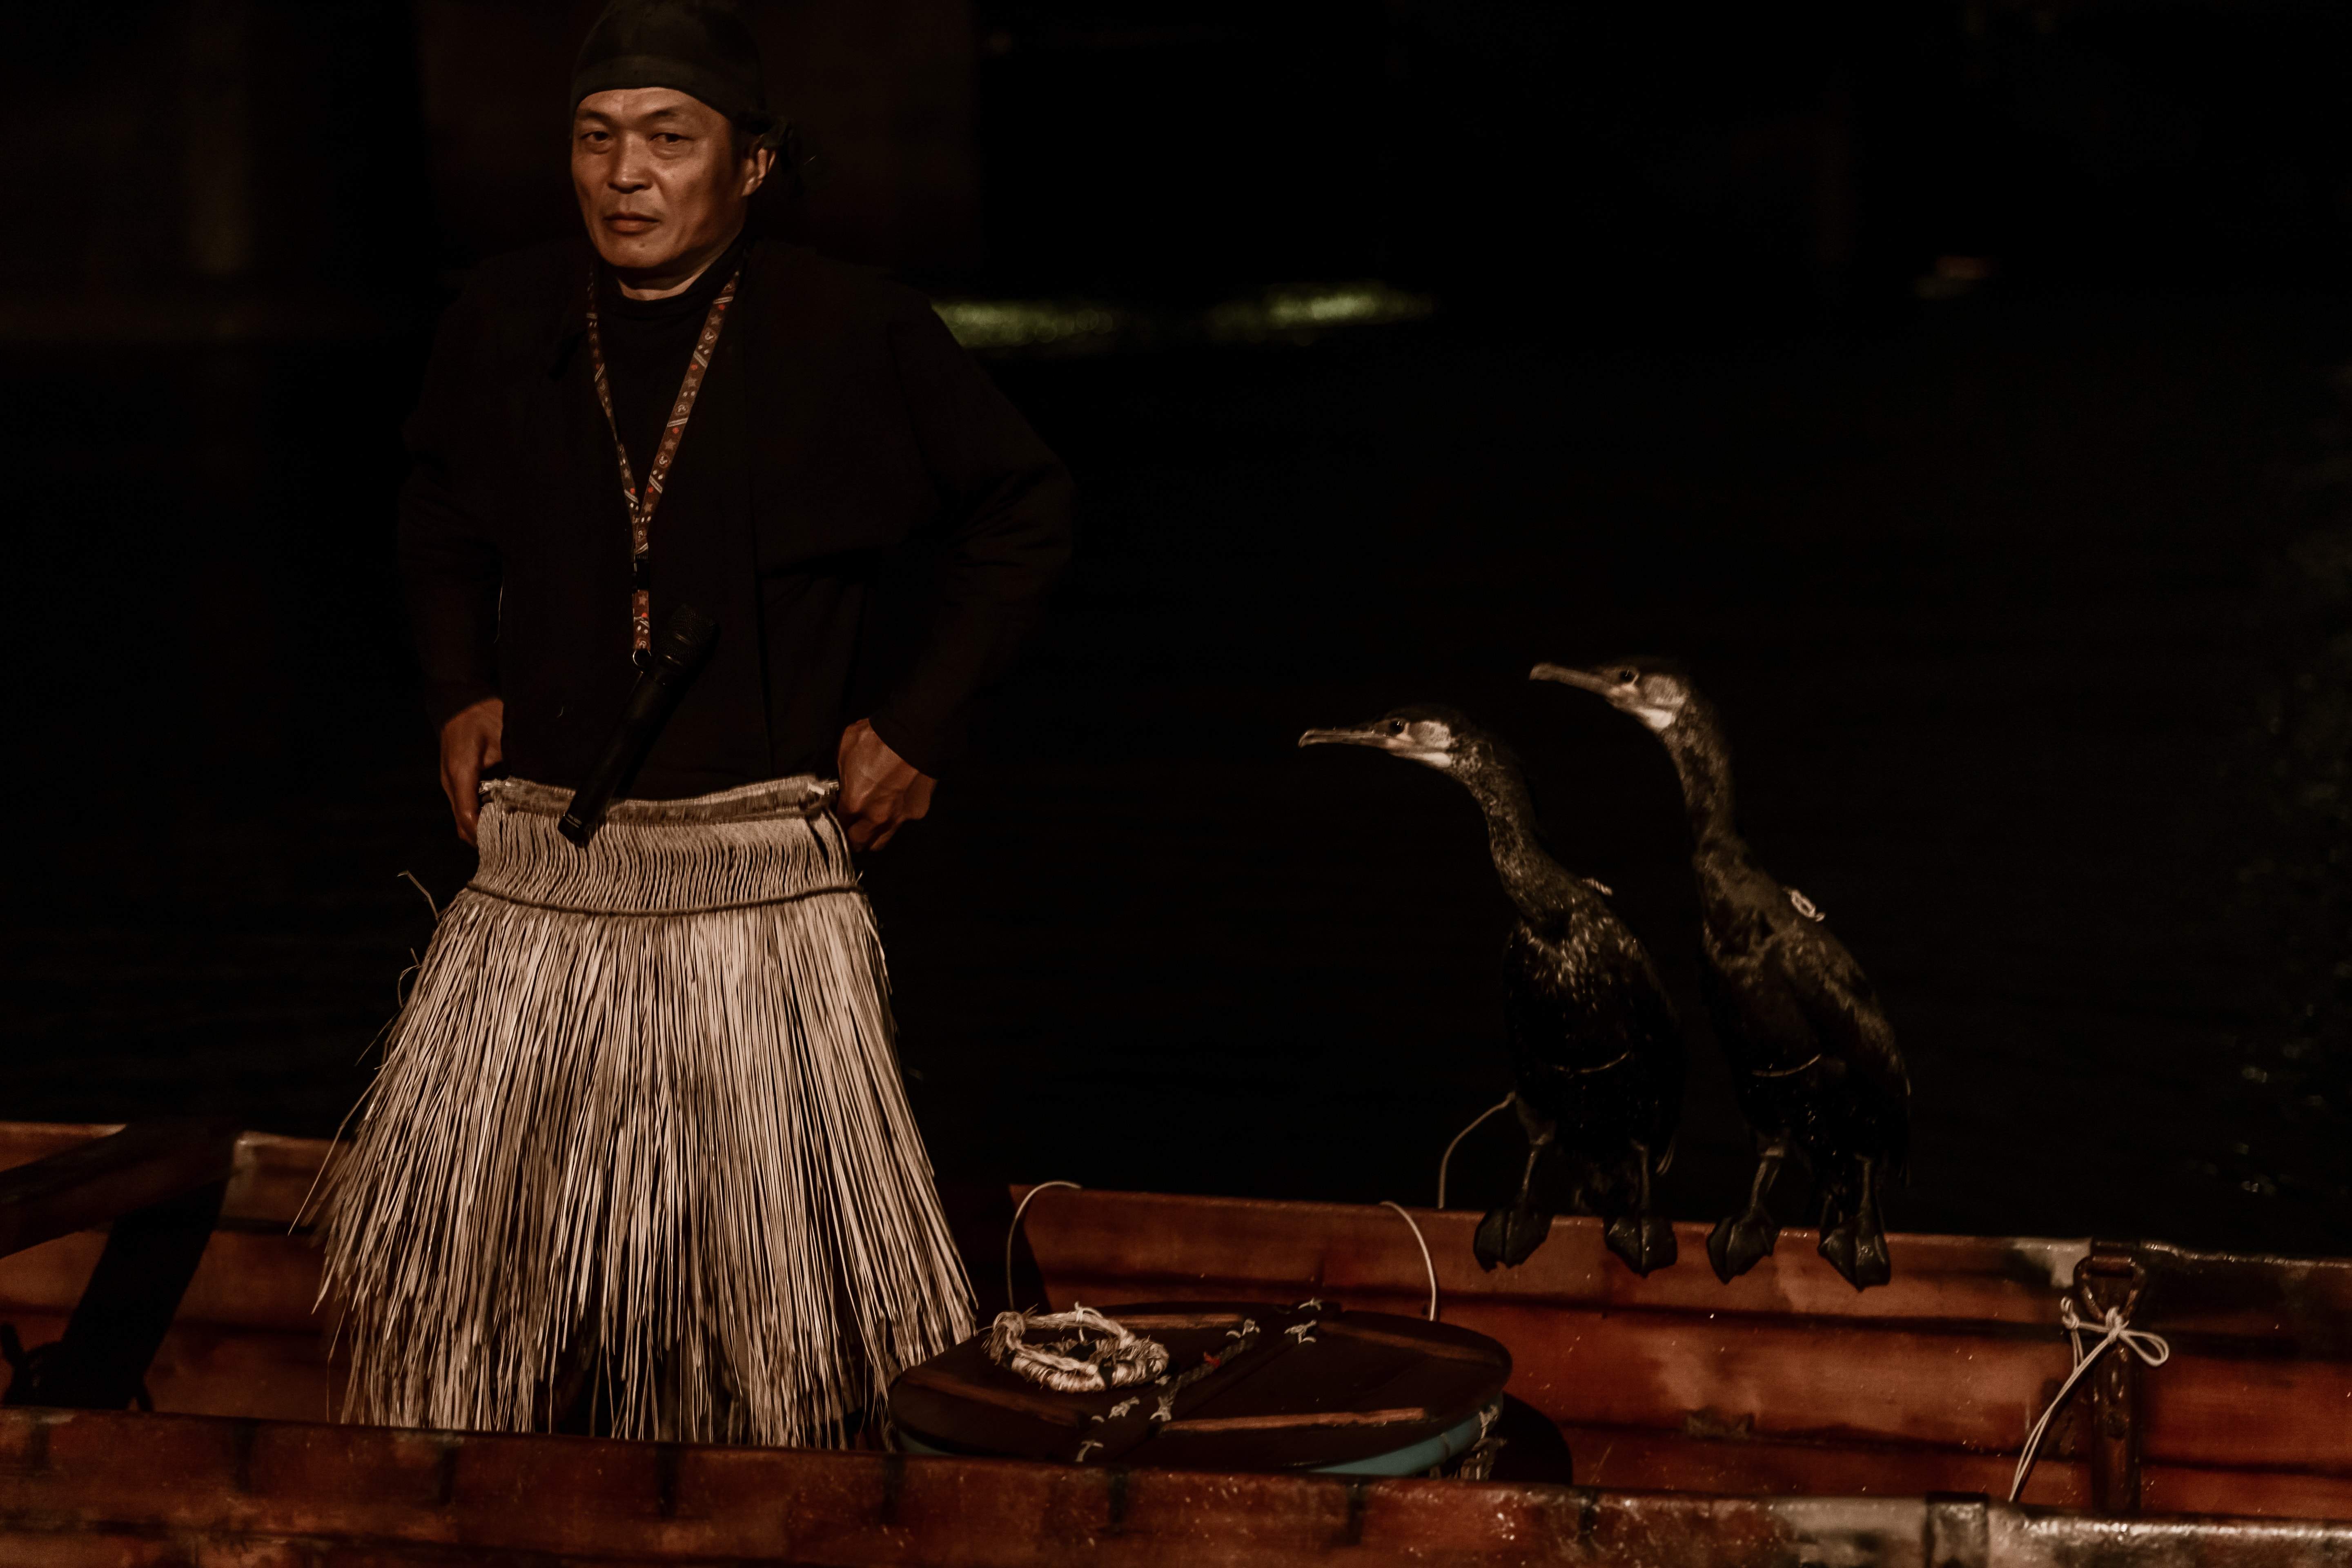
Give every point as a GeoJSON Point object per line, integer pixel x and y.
{"type": "Point", "coordinates": [2113, 1329]}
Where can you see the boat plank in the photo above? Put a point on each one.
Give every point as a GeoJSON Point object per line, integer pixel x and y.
{"type": "Point", "coordinates": [2249, 1414]}
{"type": "Point", "coordinates": [276, 1179]}
{"type": "Point", "coordinates": [1640, 1458]}
{"type": "Point", "coordinates": [588, 1499]}
{"type": "Point", "coordinates": [258, 1282]}
{"type": "Point", "coordinates": [2272, 1494]}
{"type": "Point", "coordinates": [206, 1370]}
{"type": "Point", "coordinates": [270, 1178]}
{"type": "Point", "coordinates": [35, 1548]}
{"type": "Point", "coordinates": [270, 1492]}
{"type": "Point", "coordinates": [1254, 1245]}
{"type": "Point", "coordinates": [1267, 1247]}
{"type": "Point", "coordinates": [1287, 1421]}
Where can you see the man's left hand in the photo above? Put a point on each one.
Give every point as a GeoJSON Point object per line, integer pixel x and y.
{"type": "Point", "coordinates": [881, 791]}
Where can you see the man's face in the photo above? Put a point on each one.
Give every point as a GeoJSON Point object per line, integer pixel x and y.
{"type": "Point", "coordinates": [657, 177]}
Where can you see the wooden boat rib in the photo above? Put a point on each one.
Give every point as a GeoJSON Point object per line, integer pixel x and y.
{"type": "Point", "coordinates": [1782, 1419]}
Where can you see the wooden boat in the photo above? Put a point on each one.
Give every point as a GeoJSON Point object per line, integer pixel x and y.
{"type": "Point", "coordinates": [1780, 1420]}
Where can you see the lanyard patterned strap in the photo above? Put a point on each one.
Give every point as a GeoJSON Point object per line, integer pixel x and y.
{"type": "Point", "coordinates": [642, 502]}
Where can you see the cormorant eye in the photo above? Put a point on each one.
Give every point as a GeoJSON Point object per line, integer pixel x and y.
{"type": "Point", "coordinates": [1627, 677]}
{"type": "Point", "coordinates": [1396, 726]}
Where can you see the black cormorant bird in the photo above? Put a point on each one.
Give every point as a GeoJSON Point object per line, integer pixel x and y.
{"type": "Point", "coordinates": [1815, 1062]}
{"type": "Point", "coordinates": [1596, 1049]}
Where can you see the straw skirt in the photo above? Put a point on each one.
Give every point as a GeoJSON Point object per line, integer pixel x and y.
{"type": "Point", "coordinates": [640, 1130]}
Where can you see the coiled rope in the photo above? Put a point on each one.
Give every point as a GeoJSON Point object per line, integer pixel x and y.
{"type": "Point", "coordinates": [2150, 1349]}
{"type": "Point", "coordinates": [1120, 1357]}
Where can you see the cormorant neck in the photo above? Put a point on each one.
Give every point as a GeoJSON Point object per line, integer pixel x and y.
{"type": "Point", "coordinates": [1704, 764]}
{"type": "Point", "coordinates": [1538, 885]}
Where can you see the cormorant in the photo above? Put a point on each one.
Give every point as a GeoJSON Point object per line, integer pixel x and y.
{"type": "Point", "coordinates": [1596, 1049]}
{"type": "Point", "coordinates": [1814, 1058]}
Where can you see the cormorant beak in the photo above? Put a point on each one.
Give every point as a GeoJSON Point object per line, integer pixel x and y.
{"type": "Point", "coordinates": [1585, 679]}
{"type": "Point", "coordinates": [1362, 735]}
{"type": "Point", "coordinates": [1405, 744]}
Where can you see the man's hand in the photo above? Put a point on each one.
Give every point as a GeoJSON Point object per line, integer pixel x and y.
{"type": "Point", "coordinates": [469, 742]}
{"type": "Point", "coordinates": [881, 790]}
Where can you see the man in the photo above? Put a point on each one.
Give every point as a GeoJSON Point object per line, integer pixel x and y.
{"type": "Point", "coordinates": [638, 1155]}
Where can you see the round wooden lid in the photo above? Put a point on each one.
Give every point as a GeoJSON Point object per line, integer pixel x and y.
{"type": "Point", "coordinates": [1283, 1388]}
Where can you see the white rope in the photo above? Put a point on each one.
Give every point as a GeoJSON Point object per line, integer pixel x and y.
{"type": "Point", "coordinates": [1118, 1358]}
{"type": "Point", "coordinates": [1425, 1263]}
{"type": "Point", "coordinates": [2149, 1348]}
{"type": "Point", "coordinates": [1503, 1105]}
{"type": "Point", "coordinates": [1012, 1233]}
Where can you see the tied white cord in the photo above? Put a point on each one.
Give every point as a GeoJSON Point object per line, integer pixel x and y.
{"type": "Point", "coordinates": [1015, 1230]}
{"type": "Point", "coordinates": [2150, 1348]}
{"type": "Point", "coordinates": [1501, 1105]}
{"type": "Point", "coordinates": [1430, 1267]}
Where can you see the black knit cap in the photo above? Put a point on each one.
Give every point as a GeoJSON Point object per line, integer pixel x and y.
{"type": "Point", "coordinates": [699, 47]}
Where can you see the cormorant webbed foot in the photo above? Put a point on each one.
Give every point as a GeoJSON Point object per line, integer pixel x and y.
{"type": "Point", "coordinates": [1739, 1242]}
{"type": "Point", "coordinates": [1872, 1263]}
{"type": "Point", "coordinates": [1641, 1240]}
{"type": "Point", "coordinates": [1840, 1244]}
{"type": "Point", "coordinates": [1856, 1245]}
{"type": "Point", "coordinates": [1510, 1236]}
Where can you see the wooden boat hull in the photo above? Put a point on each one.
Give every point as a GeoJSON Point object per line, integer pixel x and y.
{"type": "Point", "coordinates": [82, 1488]}
{"type": "Point", "coordinates": [1836, 1418]}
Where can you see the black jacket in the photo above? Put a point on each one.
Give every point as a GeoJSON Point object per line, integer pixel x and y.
{"type": "Point", "coordinates": [839, 428]}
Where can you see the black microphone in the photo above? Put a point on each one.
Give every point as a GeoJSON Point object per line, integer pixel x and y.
{"type": "Point", "coordinates": [684, 641]}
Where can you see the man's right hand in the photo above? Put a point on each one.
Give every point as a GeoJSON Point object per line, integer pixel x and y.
{"type": "Point", "coordinates": [470, 742]}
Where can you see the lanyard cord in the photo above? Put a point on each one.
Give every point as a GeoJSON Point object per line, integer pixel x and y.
{"type": "Point", "coordinates": [2149, 1348]}
{"type": "Point", "coordinates": [642, 502]}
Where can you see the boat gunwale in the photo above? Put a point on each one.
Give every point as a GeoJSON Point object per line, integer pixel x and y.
{"type": "Point", "coordinates": [324, 1486]}
{"type": "Point", "coordinates": [1365, 1256]}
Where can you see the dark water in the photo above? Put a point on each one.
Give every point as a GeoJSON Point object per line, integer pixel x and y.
{"type": "Point", "coordinates": [2008, 606]}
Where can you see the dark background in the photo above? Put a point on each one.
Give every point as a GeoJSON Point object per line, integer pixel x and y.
{"type": "Point", "coordinates": [1956, 385]}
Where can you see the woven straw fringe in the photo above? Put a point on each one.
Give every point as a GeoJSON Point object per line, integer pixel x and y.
{"type": "Point", "coordinates": [643, 1108]}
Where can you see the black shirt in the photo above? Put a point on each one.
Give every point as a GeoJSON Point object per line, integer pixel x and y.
{"type": "Point", "coordinates": [840, 432]}
{"type": "Point", "coordinates": [647, 346]}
